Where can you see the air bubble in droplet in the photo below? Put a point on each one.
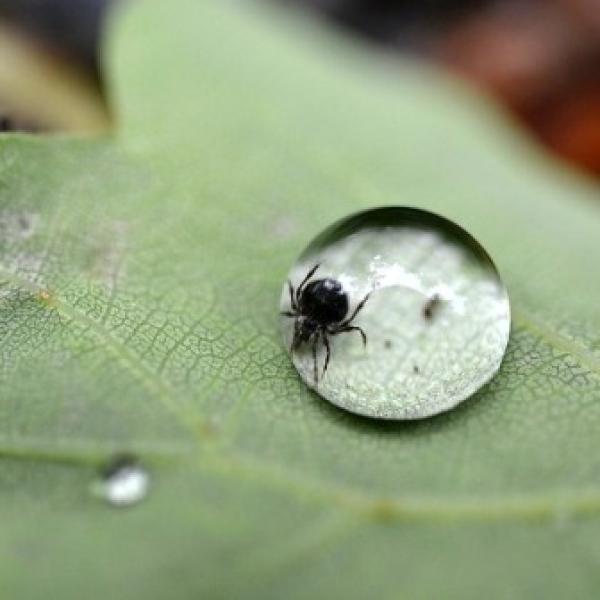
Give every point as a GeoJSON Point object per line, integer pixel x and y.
{"type": "Point", "coordinates": [437, 317]}
{"type": "Point", "coordinates": [123, 482]}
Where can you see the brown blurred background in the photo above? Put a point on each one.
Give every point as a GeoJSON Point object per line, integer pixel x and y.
{"type": "Point", "coordinates": [539, 58]}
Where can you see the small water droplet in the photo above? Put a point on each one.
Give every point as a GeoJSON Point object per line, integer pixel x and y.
{"type": "Point", "coordinates": [122, 482]}
{"type": "Point", "coordinates": [431, 288]}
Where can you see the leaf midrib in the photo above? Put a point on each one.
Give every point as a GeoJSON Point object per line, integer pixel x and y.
{"type": "Point", "coordinates": [533, 508]}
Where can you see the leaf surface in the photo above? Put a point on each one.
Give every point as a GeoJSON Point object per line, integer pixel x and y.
{"type": "Point", "coordinates": [139, 312]}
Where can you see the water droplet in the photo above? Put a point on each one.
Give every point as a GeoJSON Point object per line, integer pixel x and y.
{"type": "Point", "coordinates": [437, 318]}
{"type": "Point", "coordinates": [123, 482]}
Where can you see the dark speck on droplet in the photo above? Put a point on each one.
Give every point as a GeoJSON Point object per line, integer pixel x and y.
{"type": "Point", "coordinates": [431, 306]}
{"type": "Point", "coordinates": [416, 369]}
{"type": "Point", "coordinates": [387, 344]}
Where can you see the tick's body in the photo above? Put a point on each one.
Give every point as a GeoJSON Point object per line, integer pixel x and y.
{"type": "Point", "coordinates": [319, 309]}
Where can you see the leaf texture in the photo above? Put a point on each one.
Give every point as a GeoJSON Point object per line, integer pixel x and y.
{"type": "Point", "coordinates": [138, 311]}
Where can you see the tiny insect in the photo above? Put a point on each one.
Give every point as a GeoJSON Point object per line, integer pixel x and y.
{"type": "Point", "coordinates": [431, 306]}
{"type": "Point", "coordinates": [320, 309]}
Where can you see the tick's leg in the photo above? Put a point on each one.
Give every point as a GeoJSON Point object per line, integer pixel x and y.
{"type": "Point", "coordinates": [356, 311]}
{"type": "Point", "coordinates": [327, 353]}
{"type": "Point", "coordinates": [348, 328]}
{"type": "Point", "coordinates": [292, 296]}
{"type": "Point", "coordinates": [314, 355]}
{"type": "Point", "coordinates": [287, 313]}
{"type": "Point", "coordinates": [301, 286]}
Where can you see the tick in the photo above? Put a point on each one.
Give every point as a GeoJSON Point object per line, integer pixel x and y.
{"type": "Point", "coordinates": [320, 309]}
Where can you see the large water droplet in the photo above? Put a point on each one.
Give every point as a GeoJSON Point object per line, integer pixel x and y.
{"type": "Point", "coordinates": [437, 317]}
{"type": "Point", "coordinates": [123, 482]}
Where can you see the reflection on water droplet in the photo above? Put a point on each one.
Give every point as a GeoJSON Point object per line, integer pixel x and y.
{"type": "Point", "coordinates": [437, 318]}
{"type": "Point", "coordinates": [123, 482]}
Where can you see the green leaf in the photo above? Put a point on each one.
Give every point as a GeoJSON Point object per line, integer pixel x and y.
{"type": "Point", "coordinates": [138, 312]}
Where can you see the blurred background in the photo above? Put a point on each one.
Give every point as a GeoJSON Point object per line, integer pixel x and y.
{"type": "Point", "coordinates": [538, 58]}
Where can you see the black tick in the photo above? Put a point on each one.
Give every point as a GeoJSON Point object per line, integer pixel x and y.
{"type": "Point", "coordinates": [319, 308]}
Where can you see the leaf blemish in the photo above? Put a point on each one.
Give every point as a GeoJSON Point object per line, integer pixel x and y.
{"type": "Point", "coordinates": [18, 226]}
{"type": "Point", "coordinates": [106, 258]}
{"type": "Point", "coordinates": [46, 297]}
